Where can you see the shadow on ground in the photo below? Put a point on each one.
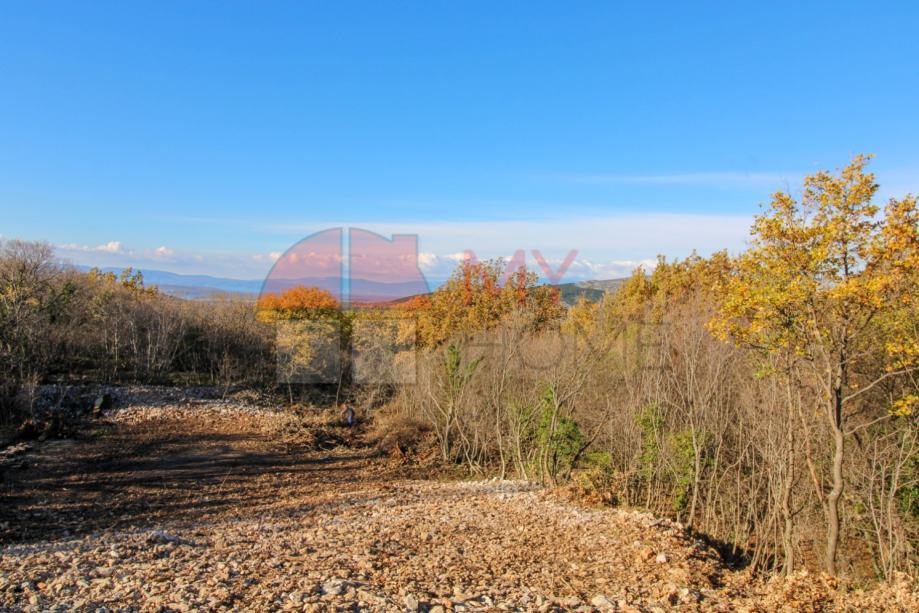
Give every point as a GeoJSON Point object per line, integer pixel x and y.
{"type": "Point", "coordinates": [140, 476]}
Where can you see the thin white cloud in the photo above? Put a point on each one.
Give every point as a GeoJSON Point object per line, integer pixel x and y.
{"type": "Point", "coordinates": [438, 267]}
{"type": "Point", "coordinates": [110, 247]}
{"type": "Point", "coordinates": [612, 245]}
{"type": "Point", "coordinates": [607, 246]}
{"type": "Point", "coordinates": [231, 265]}
{"type": "Point", "coordinates": [627, 236]}
{"type": "Point", "coordinates": [612, 269]}
{"type": "Point", "coordinates": [272, 256]}
{"type": "Point", "coordinates": [426, 261]}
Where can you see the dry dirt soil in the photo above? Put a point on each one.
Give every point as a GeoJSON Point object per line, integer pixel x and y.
{"type": "Point", "coordinates": [208, 506]}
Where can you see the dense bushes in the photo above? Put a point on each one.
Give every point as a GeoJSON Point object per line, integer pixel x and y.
{"type": "Point", "coordinates": [57, 324]}
{"type": "Point", "coordinates": [767, 400]}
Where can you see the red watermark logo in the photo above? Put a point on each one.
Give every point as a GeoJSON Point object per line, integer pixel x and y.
{"type": "Point", "coordinates": [334, 272]}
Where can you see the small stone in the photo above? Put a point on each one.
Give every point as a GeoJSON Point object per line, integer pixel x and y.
{"type": "Point", "coordinates": [332, 588]}
{"type": "Point", "coordinates": [688, 595]}
{"type": "Point", "coordinates": [411, 603]}
{"type": "Point", "coordinates": [600, 601]}
{"type": "Point", "coordinates": [102, 404]}
{"type": "Point", "coordinates": [158, 537]}
{"type": "Point", "coordinates": [661, 558]}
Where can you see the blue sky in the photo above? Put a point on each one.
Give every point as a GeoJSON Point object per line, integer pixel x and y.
{"type": "Point", "coordinates": [210, 136]}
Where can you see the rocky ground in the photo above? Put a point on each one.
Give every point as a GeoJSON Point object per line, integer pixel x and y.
{"type": "Point", "coordinates": [216, 505]}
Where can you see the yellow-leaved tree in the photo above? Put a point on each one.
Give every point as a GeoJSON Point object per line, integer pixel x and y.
{"type": "Point", "coordinates": [829, 282]}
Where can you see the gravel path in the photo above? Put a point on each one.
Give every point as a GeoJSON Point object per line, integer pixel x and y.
{"type": "Point", "coordinates": [200, 508]}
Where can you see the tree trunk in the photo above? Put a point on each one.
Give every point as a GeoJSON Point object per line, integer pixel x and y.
{"type": "Point", "coordinates": [832, 523]}
{"type": "Point", "coordinates": [788, 529]}
{"type": "Point", "coordinates": [696, 477]}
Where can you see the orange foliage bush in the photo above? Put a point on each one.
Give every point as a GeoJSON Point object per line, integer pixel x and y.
{"type": "Point", "coordinates": [298, 300]}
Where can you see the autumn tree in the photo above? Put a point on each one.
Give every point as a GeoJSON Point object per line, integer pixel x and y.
{"type": "Point", "coordinates": [35, 293]}
{"type": "Point", "coordinates": [120, 308]}
{"type": "Point", "coordinates": [297, 303]}
{"type": "Point", "coordinates": [827, 283]}
{"type": "Point", "coordinates": [479, 296]}
{"type": "Point", "coordinates": [312, 337]}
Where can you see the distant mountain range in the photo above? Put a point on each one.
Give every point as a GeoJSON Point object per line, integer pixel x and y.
{"type": "Point", "coordinates": [200, 287]}
{"type": "Point", "coordinates": [593, 290]}
{"type": "Point", "coordinates": [192, 286]}
{"type": "Point", "coordinates": [203, 287]}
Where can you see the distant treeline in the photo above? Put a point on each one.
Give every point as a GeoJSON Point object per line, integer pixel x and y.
{"type": "Point", "coordinates": [60, 324]}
